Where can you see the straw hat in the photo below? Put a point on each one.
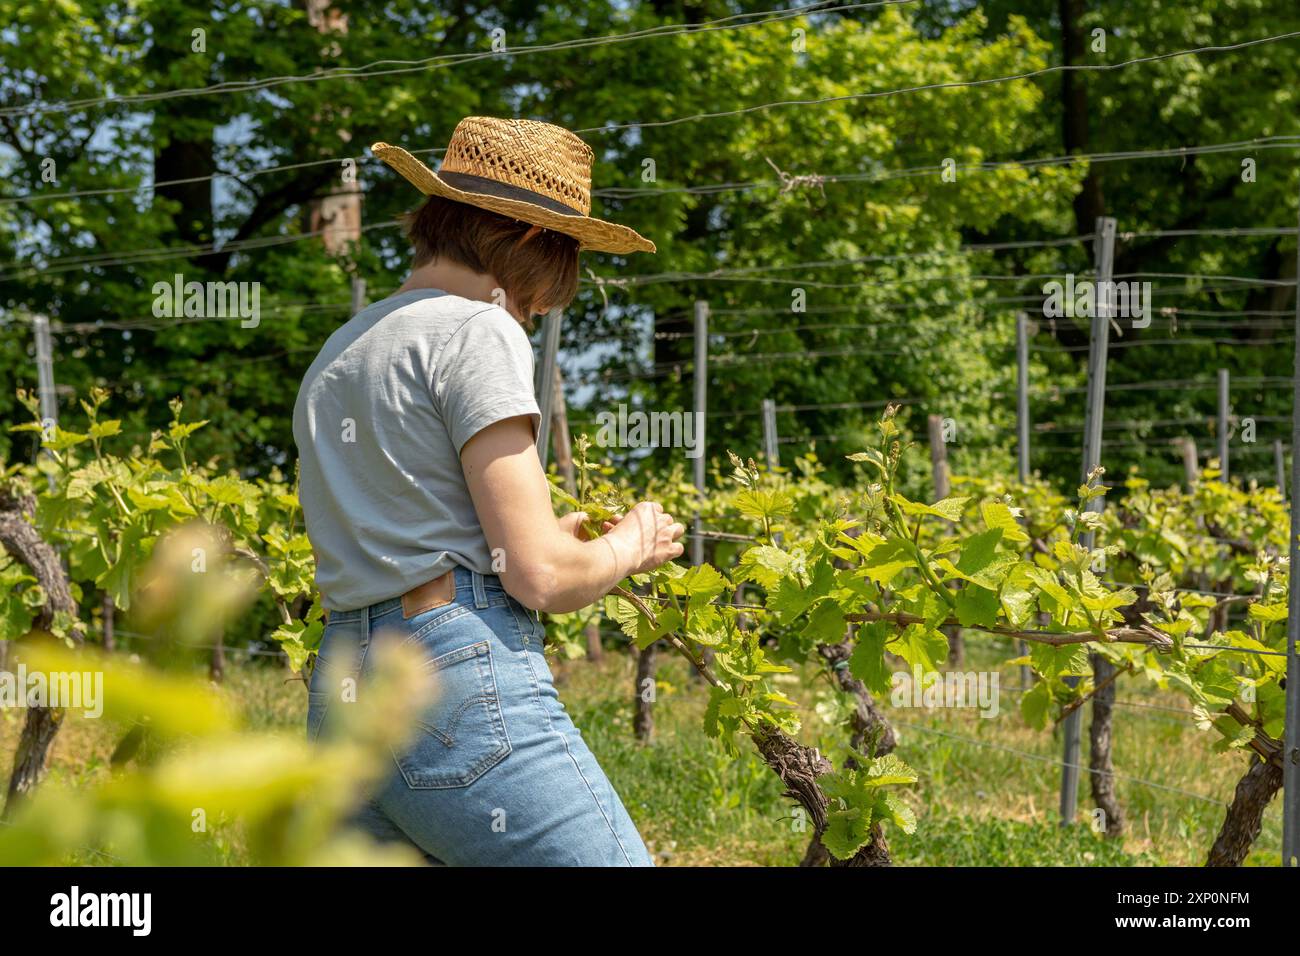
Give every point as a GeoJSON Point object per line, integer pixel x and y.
{"type": "Point", "coordinates": [530, 171]}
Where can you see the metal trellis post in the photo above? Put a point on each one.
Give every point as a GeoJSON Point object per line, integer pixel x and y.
{"type": "Point", "coordinates": [938, 457]}
{"type": "Point", "coordinates": [45, 380]}
{"type": "Point", "coordinates": [770, 451]}
{"type": "Point", "coordinates": [544, 383]}
{"type": "Point", "coordinates": [1279, 459]}
{"type": "Point", "coordinates": [1191, 462]}
{"type": "Point", "coordinates": [701, 399]}
{"type": "Point", "coordinates": [1223, 424]}
{"type": "Point", "coordinates": [1022, 433]}
{"type": "Point", "coordinates": [1022, 393]}
{"type": "Point", "coordinates": [1104, 252]}
{"type": "Point", "coordinates": [358, 294]}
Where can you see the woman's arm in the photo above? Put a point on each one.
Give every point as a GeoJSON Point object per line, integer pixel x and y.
{"type": "Point", "coordinates": [547, 567]}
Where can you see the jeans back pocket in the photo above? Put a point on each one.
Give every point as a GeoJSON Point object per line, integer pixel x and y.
{"type": "Point", "coordinates": [461, 734]}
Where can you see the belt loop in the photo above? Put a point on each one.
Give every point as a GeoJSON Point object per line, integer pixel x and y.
{"type": "Point", "coordinates": [480, 593]}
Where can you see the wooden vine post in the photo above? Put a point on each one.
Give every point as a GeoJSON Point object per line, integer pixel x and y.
{"type": "Point", "coordinates": [20, 539]}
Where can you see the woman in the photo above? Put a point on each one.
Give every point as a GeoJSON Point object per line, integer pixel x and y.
{"type": "Point", "coordinates": [430, 515]}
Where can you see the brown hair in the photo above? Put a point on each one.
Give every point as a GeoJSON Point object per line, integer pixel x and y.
{"type": "Point", "coordinates": [537, 268]}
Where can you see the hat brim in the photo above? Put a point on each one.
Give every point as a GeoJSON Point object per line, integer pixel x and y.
{"type": "Point", "coordinates": [594, 234]}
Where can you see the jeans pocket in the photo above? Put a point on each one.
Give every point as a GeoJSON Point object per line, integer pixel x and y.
{"type": "Point", "coordinates": [461, 735]}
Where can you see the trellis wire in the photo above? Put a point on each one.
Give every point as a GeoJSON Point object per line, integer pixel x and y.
{"type": "Point", "coordinates": [1027, 755]}
{"type": "Point", "coordinates": [441, 61]}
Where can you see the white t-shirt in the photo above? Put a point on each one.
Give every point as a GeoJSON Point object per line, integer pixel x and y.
{"type": "Point", "coordinates": [380, 420]}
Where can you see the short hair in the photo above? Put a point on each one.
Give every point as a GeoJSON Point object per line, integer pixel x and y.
{"type": "Point", "coordinates": [537, 271]}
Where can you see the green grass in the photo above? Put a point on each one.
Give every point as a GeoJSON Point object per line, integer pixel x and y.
{"type": "Point", "coordinates": [982, 798]}
{"type": "Point", "coordinates": [988, 793]}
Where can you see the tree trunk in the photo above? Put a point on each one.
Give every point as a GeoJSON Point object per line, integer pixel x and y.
{"type": "Point", "coordinates": [816, 854]}
{"type": "Point", "coordinates": [595, 649]}
{"type": "Point", "coordinates": [337, 215]}
{"type": "Point", "coordinates": [20, 539]}
{"type": "Point", "coordinates": [956, 647]}
{"type": "Point", "coordinates": [110, 620]}
{"type": "Point", "coordinates": [1088, 204]}
{"type": "Point", "coordinates": [217, 666]}
{"type": "Point", "coordinates": [799, 767]}
{"type": "Point", "coordinates": [183, 136]}
{"type": "Point", "coordinates": [39, 730]}
{"type": "Point", "coordinates": [868, 722]}
{"type": "Point", "coordinates": [1099, 735]}
{"type": "Point", "coordinates": [1245, 815]}
{"type": "Point", "coordinates": [643, 721]}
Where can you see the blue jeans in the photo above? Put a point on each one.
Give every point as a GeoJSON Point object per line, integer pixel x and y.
{"type": "Point", "coordinates": [496, 774]}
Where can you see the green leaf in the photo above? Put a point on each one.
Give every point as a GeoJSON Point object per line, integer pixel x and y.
{"type": "Point", "coordinates": [888, 559]}
{"type": "Point", "coordinates": [1269, 661]}
{"type": "Point", "coordinates": [180, 430]}
{"type": "Point", "coordinates": [146, 502]}
{"type": "Point", "coordinates": [847, 831]}
{"type": "Point", "coordinates": [977, 606]}
{"type": "Point", "coordinates": [1272, 613]}
{"type": "Point", "coordinates": [766, 565]}
{"type": "Point", "coordinates": [33, 596]}
{"type": "Point", "coordinates": [229, 491]}
{"type": "Point", "coordinates": [700, 584]}
{"type": "Point", "coordinates": [888, 771]}
{"type": "Point", "coordinates": [760, 504]}
{"type": "Point", "coordinates": [949, 509]}
{"type": "Point", "coordinates": [978, 552]}
{"type": "Point", "coordinates": [921, 647]}
{"type": "Point", "coordinates": [890, 805]}
{"type": "Point", "coordinates": [119, 578]}
{"type": "Point", "coordinates": [1046, 581]}
{"type": "Point", "coordinates": [1108, 600]}
{"type": "Point", "coordinates": [825, 624]}
{"type": "Point", "coordinates": [624, 612]}
{"type": "Point", "coordinates": [298, 639]}
{"type": "Point", "coordinates": [716, 696]}
{"type": "Point", "coordinates": [64, 440]}
{"type": "Point", "coordinates": [1036, 705]}
{"type": "Point", "coordinates": [106, 428]}
{"type": "Point", "coordinates": [1017, 603]}
{"type": "Point", "coordinates": [980, 561]}
{"type": "Point", "coordinates": [16, 619]}
{"type": "Point", "coordinates": [867, 662]}
{"type": "Point", "coordinates": [1000, 517]}
{"type": "Point", "coordinates": [872, 457]}
{"type": "Point", "coordinates": [789, 599]}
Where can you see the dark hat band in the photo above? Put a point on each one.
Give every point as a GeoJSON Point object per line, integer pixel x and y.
{"type": "Point", "coordinates": [467, 182]}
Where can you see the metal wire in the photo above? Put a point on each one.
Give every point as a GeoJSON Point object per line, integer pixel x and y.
{"type": "Point", "coordinates": [1025, 754]}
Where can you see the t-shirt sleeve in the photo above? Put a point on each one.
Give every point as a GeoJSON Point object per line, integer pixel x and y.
{"type": "Point", "coordinates": [483, 375]}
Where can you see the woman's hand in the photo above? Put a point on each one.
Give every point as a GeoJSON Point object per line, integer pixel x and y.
{"type": "Point", "coordinates": [648, 536]}
{"type": "Point", "coordinates": [552, 567]}
{"type": "Point", "coordinates": [573, 524]}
